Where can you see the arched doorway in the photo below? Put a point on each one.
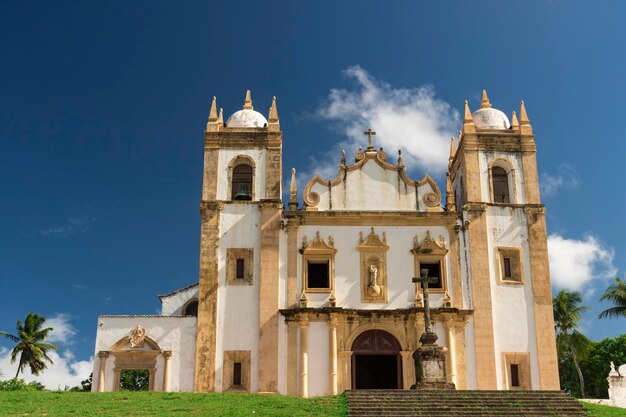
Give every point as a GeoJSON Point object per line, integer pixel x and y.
{"type": "Point", "coordinates": [376, 362]}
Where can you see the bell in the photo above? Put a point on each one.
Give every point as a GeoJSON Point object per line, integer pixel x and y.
{"type": "Point", "coordinates": [243, 192]}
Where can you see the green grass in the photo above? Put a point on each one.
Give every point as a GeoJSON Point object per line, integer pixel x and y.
{"type": "Point", "coordinates": [596, 410]}
{"type": "Point", "coordinates": [152, 404]}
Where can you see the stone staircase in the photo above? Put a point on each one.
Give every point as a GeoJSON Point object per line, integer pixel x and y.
{"type": "Point", "coordinates": [435, 403]}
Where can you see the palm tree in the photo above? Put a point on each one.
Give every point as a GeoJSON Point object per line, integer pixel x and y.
{"type": "Point", "coordinates": [616, 293]}
{"type": "Point", "coordinates": [30, 344]}
{"type": "Point", "coordinates": [569, 339]}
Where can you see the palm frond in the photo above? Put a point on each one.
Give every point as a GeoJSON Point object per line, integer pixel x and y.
{"type": "Point", "coordinates": [10, 336]}
{"type": "Point", "coordinates": [613, 312]}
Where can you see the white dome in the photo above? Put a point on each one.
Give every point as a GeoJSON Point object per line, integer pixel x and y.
{"type": "Point", "coordinates": [246, 118]}
{"type": "Point", "coordinates": [490, 118]}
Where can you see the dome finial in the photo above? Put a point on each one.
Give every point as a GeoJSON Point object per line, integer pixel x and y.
{"type": "Point", "coordinates": [247, 105]}
{"type": "Point", "coordinates": [485, 104]}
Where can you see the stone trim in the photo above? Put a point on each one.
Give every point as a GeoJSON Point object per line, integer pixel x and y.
{"type": "Point", "coordinates": [230, 357]}
{"type": "Point", "coordinates": [510, 174]}
{"type": "Point", "coordinates": [318, 250]}
{"type": "Point", "coordinates": [234, 163]}
{"type": "Point", "coordinates": [232, 254]}
{"type": "Point", "coordinates": [373, 261]}
{"type": "Point", "coordinates": [311, 199]}
{"type": "Point", "coordinates": [517, 265]}
{"type": "Point", "coordinates": [522, 359]}
{"type": "Point", "coordinates": [429, 251]}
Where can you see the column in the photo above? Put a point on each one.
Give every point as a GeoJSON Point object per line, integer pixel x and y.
{"type": "Point", "coordinates": [345, 380]}
{"type": "Point", "coordinates": [102, 355]}
{"type": "Point", "coordinates": [450, 336]}
{"type": "Point", "coordinates": [332, 337]}
{"type": "Point", "coordinates": [408, 369]}
{"type": "Point", "coordinates": [167, 356]}
{"type": "Point", "coordinates": [304, 357]}
{"type": "Point", "coordinates": [292, 358]}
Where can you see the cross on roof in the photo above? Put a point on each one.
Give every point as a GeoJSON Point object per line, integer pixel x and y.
{"type": "Point", "coordinates": [369, 134]}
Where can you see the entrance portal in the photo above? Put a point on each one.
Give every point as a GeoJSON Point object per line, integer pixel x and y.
{"type": "Point", "coordinates": [376, 362]}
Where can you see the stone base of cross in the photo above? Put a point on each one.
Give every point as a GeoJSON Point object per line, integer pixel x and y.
{"type": "Point", "coordinates": [430, 358]}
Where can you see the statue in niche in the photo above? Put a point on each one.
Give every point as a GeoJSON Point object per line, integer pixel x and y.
{"type": "Point", "coordinates": [137, 337]}
{"type": "Point", "coordinates": [373, 288]}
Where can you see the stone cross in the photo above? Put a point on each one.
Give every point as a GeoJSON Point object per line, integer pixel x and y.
{"type": "Point", "coordinates": [425, 280]}
{"type": "Point", "coordinates": [369, 134]}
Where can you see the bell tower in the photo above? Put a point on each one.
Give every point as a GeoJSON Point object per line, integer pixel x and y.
{"type": "Point", "coordinates": [240, 211]}
{"type": "Point", "coordinates": [493, 178]}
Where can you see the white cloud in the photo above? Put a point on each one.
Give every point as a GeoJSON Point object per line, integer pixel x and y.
{"type": "Point", "coordinates": [64, 371]}
{"type": "Point", "coordinates": [576, 263]}
{"type": "Point", "coordinates": [72, 226]}
{"type": "Point", "coordinates": [565, 178]}
{"type": "Point", "coordinates": [62, 330]}
{"type": "Point", "coordinates": [410, 119]}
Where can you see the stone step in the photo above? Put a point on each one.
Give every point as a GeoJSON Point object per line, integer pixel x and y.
{"type": "Point", "coordinates": [403, 403]}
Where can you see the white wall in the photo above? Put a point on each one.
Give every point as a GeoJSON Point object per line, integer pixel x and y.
{"type": "Point", "coordinates": [371, 187]}
{"type": "Point", "coordinates": [318, 358]}
{"type": "Point", "coordinates": [225, 158]}
{"type": "Point", "coordinates": [513, 309]}
{"type": "Point", "coordinates": [173, 305]}
{"type": "Point", "coordinates": [177, 334]}
{"type": "Point", "coordinates": [400, 264]}
{"type": "Point", "coordinates": [516, 183]}
{"type": "Point", "coordinates": [238, 305]}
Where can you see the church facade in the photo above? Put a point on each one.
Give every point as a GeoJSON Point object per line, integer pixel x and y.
{"type": "Point", "coordinates": [317, 297]}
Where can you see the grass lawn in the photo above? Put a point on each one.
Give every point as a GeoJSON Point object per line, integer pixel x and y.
{"type": "Point", "coordinates": [132, 404]}
{"type": "Point", "coordinates": [603, 410]}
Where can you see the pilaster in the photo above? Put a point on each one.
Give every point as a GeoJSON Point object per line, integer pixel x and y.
{"type": "Point", "coordinates": [292, 358]}
{"type": "Point", "coordinates": [204, 380]}
{"type": "Point", "coordinates": [304, 357]}
{"type": "Point", "coordinates": [481, 297]}
{"type": "Point", "coordinates": [542, 296]}
{"type": "Point", "coordinates": [292, 262]}
{"type": "Point", "coordinates": [268, 296]}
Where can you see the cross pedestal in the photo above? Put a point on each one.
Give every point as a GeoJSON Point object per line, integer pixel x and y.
{"type": "Point", "coordinates": [430, 358]}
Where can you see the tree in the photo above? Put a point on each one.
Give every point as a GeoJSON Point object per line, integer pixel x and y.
{"type": "Point", "coordinates": [135, 380]}
{"type": "Point", "coordinates": [616, 293]}
{"type": "Point", "coordinates": [30, 346]}
{"type": "Point", "coordinates": [570, 341]}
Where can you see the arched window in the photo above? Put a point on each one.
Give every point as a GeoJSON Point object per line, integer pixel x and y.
{"type": "Point", "coordinates": [500, 184]}
{"type": "Point", "coordinates": [191, 308]}
{"type": "Point", "coordinates": [241, 187]}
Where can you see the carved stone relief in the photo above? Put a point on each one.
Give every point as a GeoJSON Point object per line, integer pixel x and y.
{"type": "Point", "coordinates": [373, 250]}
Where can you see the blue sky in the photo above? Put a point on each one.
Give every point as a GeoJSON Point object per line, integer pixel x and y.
{"type": "Point", "coordinates": [102, 108]}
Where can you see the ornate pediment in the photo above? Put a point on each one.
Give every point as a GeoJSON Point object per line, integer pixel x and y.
{"type": "Point", "coordinates": [318, 245]}
{"type": "Point", "coordinates": [429, 246]}
{"type": "Point", "coordinates": [373, 242]}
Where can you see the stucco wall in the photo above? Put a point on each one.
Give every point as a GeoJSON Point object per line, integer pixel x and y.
{"type": "Point", "coordinates": [516, 180]}
{"type": "Point", "coordinates": [513, 311]}
{"type": "Point", "coordinates": [177, 334]}
{"type": "Point", "coordinates": [400, 264]}
{"type": "Point", "coordinates": [173, 304]}
{"type": "Point", "coordinates": [371, 187]}
{"type": "Point", "coordinates": [238, 305]}
{"type": "Point", "coordinates": [225, 158]}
